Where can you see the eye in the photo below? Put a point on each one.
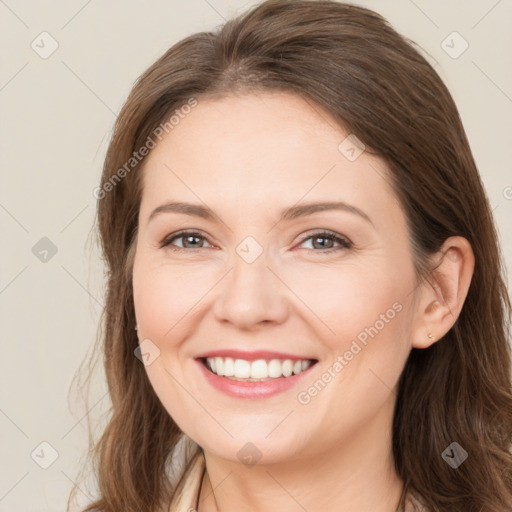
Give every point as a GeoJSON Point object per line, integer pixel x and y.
{"type": "Point", "coordinates": [331, 238]}
{"type": "Point", "coordinates": [187, 237]}
{"type": "Point", "coordinates": [196, 240]}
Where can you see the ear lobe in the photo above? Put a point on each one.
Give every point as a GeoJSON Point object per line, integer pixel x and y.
{"type": "Point", "coordinates": [442, 297]}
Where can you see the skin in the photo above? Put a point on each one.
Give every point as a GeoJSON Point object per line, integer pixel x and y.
{"type": "Point", "coordinates": [247, 157]}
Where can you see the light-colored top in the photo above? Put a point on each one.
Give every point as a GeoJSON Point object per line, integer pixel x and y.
{"type": "Point", "coordinates": [186, 496]}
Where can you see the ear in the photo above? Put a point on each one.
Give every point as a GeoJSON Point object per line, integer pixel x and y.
{"type": "Point", "coordinates": [440, 299]}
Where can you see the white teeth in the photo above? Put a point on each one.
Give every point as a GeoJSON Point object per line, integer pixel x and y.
{"type": "Point", "coordinates": [219, 366]}
{"type": "Point", "coordinates": [229, 367]}
{"type": "Point", "coordinates": [241, 369]}
{"type": "Point", "coordinates": [259, 369]}
{"type": "Point", "coordinates": [275, 368]}
{"type": "Point", "coordinates": [287, 367]}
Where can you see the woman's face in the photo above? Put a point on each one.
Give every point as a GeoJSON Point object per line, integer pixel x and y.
{"type": "Point", "coordinates": [259, 289]}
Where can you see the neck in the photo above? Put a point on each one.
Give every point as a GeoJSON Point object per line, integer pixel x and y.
{"type": "Point", "coordinates": [358, 475]}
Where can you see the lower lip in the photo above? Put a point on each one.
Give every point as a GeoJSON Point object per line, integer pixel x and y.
{"type": "Point", "coordinates": [241, 389]}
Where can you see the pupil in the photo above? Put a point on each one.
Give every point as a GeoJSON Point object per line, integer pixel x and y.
{"type": "Point", "coordinates": [322, 238]}
{"type": "Point", "coordinates": [191, 237]}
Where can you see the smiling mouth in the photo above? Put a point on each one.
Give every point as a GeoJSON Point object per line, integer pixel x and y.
{"type": "Point", "coordinates": [258, 370]}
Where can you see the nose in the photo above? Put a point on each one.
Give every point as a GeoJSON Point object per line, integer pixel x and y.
{"type": "Point", "coordinates": [251, 294]}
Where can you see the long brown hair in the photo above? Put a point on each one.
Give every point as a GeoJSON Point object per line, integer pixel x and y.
{"type": "Point", "coordinates": [348, 61]}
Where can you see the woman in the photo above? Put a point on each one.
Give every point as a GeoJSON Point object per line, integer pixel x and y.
{"type": "Point", "coordinates": [305, 305]}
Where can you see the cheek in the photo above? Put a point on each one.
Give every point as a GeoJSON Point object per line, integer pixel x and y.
{"type": "Point", "coordinates": [365, 317]}
{"type": "Point", "coordinates": [163, 295]}
{"type": "Point", "coordinates": [348, 299]}
{"type": "Point", "coordinates": [369, 313]}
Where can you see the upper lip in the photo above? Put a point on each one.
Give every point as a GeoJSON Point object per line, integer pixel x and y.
{"type": "Point", "coordinates": [253, 356]}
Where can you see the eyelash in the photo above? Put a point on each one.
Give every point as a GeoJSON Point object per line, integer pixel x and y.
{"type": "Point", "coordinates": [330, 235]}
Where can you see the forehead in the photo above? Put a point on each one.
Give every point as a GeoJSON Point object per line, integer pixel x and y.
{"type": "Point", "coordinates": [253, 150]}
{"type": "Point", "coordinates": [249, 129]}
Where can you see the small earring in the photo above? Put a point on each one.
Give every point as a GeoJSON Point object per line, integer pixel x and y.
{"type": "Point", "coordinates": [135, 327]}
{"type": "Point", "coordinates": [430, 335]}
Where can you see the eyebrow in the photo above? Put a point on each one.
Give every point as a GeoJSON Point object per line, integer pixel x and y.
{"type": "Point", "coordinates": [287, 214]}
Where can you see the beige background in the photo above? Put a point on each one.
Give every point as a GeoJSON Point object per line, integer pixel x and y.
{"type": "Point", "coordinates": [56, 116]}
